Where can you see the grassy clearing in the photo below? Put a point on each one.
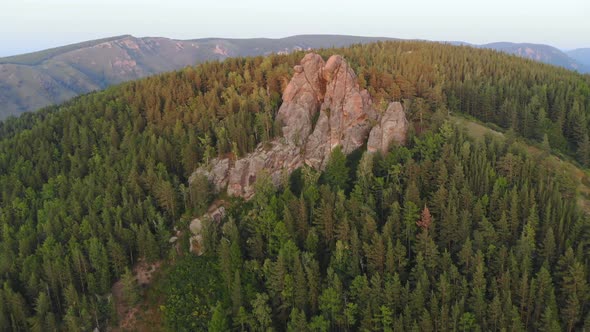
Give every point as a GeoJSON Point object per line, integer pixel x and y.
{"type": "Point", "coordinates": [580, 176]}
{"type": "Point", "coordinates": [474, 129]}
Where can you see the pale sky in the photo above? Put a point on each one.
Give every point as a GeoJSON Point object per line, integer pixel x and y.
{"type": "Point", "coordinates": [29, 25]}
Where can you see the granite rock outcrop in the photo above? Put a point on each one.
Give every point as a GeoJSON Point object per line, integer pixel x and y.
{"type": "Point", "coordinates": [392, 128]}
{"type": "Point", "coordinates": [323, 107]}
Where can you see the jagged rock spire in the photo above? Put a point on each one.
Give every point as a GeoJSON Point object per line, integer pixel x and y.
{"type": "Point", "coordinates": [323, 107]}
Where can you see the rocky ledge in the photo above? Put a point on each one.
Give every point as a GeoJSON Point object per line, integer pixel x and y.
{"type": "Point", "coordinates": [323, 107]}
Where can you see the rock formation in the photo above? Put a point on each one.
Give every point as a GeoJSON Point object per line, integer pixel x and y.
{"type": "Point", "coordinates": [323, 107]}
{"type": "Point", "coordinates": [345, 115]}
{"type": "Point", "coordinates": [393, 127]}
{"type": "Point", "coordinates": [216, 213]}
{"type": "Point", "coordinates": [302, 100]}
{"type": "Point", "coordinates": [276, 160]}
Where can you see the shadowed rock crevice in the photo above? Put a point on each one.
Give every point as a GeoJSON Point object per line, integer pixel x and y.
{"type": "Point", "coordinates": [323, 107]}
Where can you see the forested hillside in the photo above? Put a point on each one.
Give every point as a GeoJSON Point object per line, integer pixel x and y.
{"type": "Point", "coordinates": [444, 233]}
{"type": "Point", "coordinates": [542, 53]}
{"type": "Point", "coordinates": [448, 234]}
{"type": "Point", "coordinates": [34, 80]}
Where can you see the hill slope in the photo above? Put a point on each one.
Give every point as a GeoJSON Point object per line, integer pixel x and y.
{"type": "Point", "coordinates": [99, 184]}
{"type": "Point", "coordinates": [581, 55]}
{"type": "Point", "coordinates": [35, 80]}
{"type": "Point", "coordinates": [31, 81]}
{"type": "Point", "coordinates": [539, 52]}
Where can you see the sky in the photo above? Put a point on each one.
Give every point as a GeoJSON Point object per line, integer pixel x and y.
{"type": "Point", "coordinates": [30, 25]}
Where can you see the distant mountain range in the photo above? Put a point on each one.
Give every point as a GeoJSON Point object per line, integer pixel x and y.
{"type": "Point", "coordinates": [581, 55]}
{"type": "Point", "coordinates": [34, 80]}
{"type": "Point", "coordinates": [543, 53]}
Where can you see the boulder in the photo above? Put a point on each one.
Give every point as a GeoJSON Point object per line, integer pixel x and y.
{"type": "Point", "coordinates": [215, 214]}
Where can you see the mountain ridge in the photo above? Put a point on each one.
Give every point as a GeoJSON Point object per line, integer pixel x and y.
{"type": "Point", "coordinates": [35, 80]}
{"type": "Point", "coordinates": [38, 79]}
{"type": "Point", "coordinates": [46, 53]}
{"type": "Point", "coordinates": [581, 55]}
{"type": "Point", "coordinates": [538, 52]}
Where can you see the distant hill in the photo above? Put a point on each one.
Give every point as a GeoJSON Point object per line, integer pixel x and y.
{"type": "Point", "coordinates": [539, 52]}
{"type": "Point", "coordinates": [581, 55]}
{"type": "Point", "coordinates": [34, 80]}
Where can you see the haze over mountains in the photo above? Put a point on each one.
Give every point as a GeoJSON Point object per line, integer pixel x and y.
{"type": "Point", "coordinates": [35, 80]}
{"type": "Point", "coordinates": [543, 53]}
{"type": "Point", "coordinates": [581, 55]}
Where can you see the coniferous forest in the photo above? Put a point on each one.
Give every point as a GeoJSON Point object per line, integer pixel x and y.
{"type": "Point", "coordinates": [447, 233]}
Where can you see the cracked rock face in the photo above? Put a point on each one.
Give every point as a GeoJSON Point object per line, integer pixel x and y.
{"type": "Point", "coordinates": [277, 160]}
{"type": "Point", "coordinates": [345, 116]}
{"type": "Point", "coordinates": [302, 99]}
{"type": "Point", "coordinates": [323, 107]}
{"type": "Point", "coordinates": [217, 174]}
{"type": "Point", "coordinates": [345, 111]}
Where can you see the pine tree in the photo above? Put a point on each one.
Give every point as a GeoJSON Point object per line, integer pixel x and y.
{"type": "Point", "coordinates": [375, 252]}
{"type": "Point", "coordinates": [200, 193]}
{"type": "Point", "coordinates": [43, 319]}
{"type": "Point", "coordinates": [549, 321]}
{"type": "Point", "coordinates": [218, 322]}
{"type": "Point", "coordinates": [131, 292]}
{"type": "Point", "coordinates": [336, 173]}
{"type": "Point", "coordinates": [571, 311]}
{"type": "Point", "coordinates": [297, 321]}
{"type": "Point", "coordinates": [410, 217]}
{"type": "Point", "coordinates": [147, 245]}
{"type": "Point", "coordinates": [261, 312]}
{"type": "Point", "coordinates": [236, 293]}
{"type": "Point", "coordinates": [583, 151]}
{"type": "Point", "coordinates": [242, 320]}
{"type": "Point", "coordinates": [384, 319]}
{"type": "Point", "coordinates": [330, 304]}
{"type": "Point", "coordinates": [425, 220]}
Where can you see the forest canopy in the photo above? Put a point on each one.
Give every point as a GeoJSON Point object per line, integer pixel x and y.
{"type": "Point", "coordinates": [445, 233]}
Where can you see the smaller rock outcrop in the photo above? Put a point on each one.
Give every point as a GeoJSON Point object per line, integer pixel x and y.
{"type": "Point", "coordinates": [215, 214]}
{"type": "Point", "coordinates": [274, 158]}
{"type": "Point", "coordinates": [217, 173]}
{"type": "Point", "coordinates": [392, 128]}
